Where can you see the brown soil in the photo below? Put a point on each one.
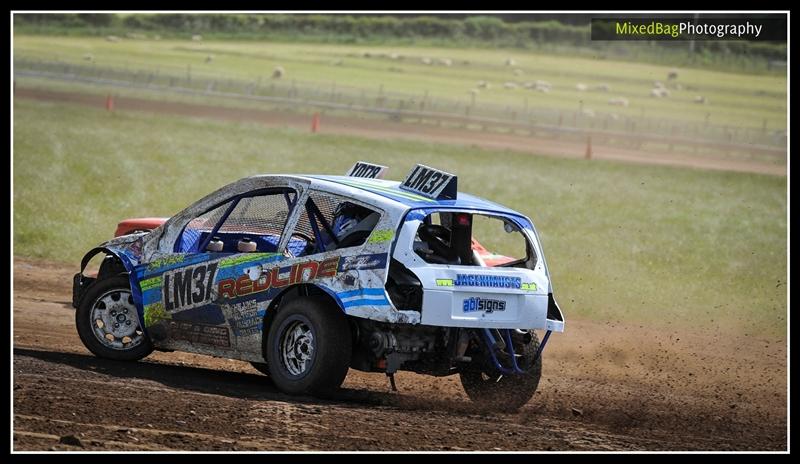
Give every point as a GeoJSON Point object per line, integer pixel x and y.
{"type": "Point", "coordinates": [604, 387]}
{"type": "Point", "coordinates": [384, 129]}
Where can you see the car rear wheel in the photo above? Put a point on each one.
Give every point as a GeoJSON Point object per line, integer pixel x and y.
{"type": "Point", "coordinates": [108, 322]}
{"type": "Point", "coordinates": [308, 346]}
{"type": "Point", "coordinates": [485, 385]}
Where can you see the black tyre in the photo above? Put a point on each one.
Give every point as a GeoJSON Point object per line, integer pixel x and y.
{"type": "Point", "coordinates": [308, 346]}
{"type": "Point", "coordinates": [261, 367]}
{"type": "Point", "coordinates": [108, 323]}
{"type": "Point", "coordinates": [485, 385]}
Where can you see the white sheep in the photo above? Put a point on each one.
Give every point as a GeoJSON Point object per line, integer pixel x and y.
{"type": "Point", "coordinates": [112, 38]}
{"type": "Point", "coordinates": [581, 87]}
{"type": "Point", "coordinates": [426, 60]}
{"type": "Point", "coordinates": [394, 56]}
{"type": "Point", "coordinates": [587, 112]}
{"type": "Point", "coordinates": [619, 101]}
{"type": "Point", "coordinates": [658, 85]}
{"type": "Point", "coordinates": [528, 85]}
{"type": "Point", "coordinates": [659, 92]}
{"type": "Point", "coordinates": [543, 86]}
{"type": "Point", "coordinates": [444, 61]}
{"type": "Point", "coordinates": [510, 85]}
{"type": "Point", "coordinates": [484, 85]}
{"type": "Point", "coordinates": [278, 72]}
{"type": "Point", "coordinates": [603, 88]}
{"type": "Point", "coordinates": [197, 38]}
{"type": "Point", "coordinates": [518, 72]}
{"type": "Point", "coordinates": [88, 57]}
{"type": "Point", "coordinates": [474, 92]}
{"type": "Point", "coordinates": [700, 99]}
{"type": "Point", "coordinates": [511, 62]}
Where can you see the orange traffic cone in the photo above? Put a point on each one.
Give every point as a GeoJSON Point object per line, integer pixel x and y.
{"type": "Point", "coordinates": [315, 122]}
{"type": "Point", "coordinates": [589, 148]}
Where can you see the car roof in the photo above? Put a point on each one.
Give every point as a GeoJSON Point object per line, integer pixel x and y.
{"type": "Point", "coordinates": [390, 191]}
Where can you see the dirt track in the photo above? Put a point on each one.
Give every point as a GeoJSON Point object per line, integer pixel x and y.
{"type": "Point", "coordinates": [382, 129]}
{"type": "Point", "coordinates": [604, 387]}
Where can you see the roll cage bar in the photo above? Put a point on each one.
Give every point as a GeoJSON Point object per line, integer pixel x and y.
{"type": "Point", "coordinates": [313, 211]}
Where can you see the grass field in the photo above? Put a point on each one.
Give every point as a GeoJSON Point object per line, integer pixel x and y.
{"type": "Point", "coordinates": [673, 246]}
{"type": "Point", "coordinates": [734, 99]}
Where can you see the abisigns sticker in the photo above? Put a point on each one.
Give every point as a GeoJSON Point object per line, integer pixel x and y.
{"type": "Point", "coordinates": [485, 305]}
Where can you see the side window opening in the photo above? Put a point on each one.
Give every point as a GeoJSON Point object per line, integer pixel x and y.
{"type": "Point", "coordinates": [472, 240]}
{"type": "Point", "coordinates": [196, 230]}
{"type": "Point", "coordinates": [254, 224]}
{"type": "Point", "coordinates": [500, 242]}
{"type": "Point", "coordinates": [335, 223]}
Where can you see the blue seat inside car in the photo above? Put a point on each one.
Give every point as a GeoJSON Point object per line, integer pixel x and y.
{"type": "Point", "coordinates": [191, 239]}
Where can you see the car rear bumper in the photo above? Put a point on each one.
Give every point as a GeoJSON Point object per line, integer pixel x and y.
{"type": "Point", "coordinates": [484, 309]}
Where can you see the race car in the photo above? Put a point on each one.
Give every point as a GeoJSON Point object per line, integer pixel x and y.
{"type": "Point", "coordinates": [307, 276]}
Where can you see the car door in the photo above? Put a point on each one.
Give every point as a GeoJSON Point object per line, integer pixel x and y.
{"type": "Point", "coordinates": [195, 298]}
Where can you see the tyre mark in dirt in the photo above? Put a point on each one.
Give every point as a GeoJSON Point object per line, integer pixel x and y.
{"type": "Point", "coordinates": [289, 425]}
{"type": "Point", "coordinates": [625, 403]}
{"type": "Point", "coordinates": [86, 443]}
{"type": "Point", "coordinates": [281, 426]}
{"type": "Point", "coordinates": [94, 431]}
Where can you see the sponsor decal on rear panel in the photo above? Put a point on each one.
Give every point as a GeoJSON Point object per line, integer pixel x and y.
{"type": "Point", "coordinates": [481, 280]}
{"type": "Point", "coordinates": [486, 305]}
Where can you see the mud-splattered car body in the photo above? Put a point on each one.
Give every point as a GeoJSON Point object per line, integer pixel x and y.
{"type": "Point", "coordinates": [219, 303]}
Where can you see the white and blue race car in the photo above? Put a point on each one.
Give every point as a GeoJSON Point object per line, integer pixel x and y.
{"type": "Point", "coordinates": [306, 276]}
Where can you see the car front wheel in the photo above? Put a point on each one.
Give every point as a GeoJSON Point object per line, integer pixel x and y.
{"type": "Point", "coordinates": [108, 322]}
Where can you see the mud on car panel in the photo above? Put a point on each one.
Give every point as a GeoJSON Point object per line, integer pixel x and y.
{"type": "Point", "coordinates": [399, 261]}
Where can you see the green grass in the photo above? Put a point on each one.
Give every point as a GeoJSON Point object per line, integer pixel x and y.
{"type": "Point", "coordinates": [734, 99]}
{"type": "Point", "coordinates": [551, 37]}
{"type": "Point", "coordinates": [676, 247]}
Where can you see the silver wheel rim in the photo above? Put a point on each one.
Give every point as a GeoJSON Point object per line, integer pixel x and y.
{"type": "Point", "coordinates": [297, 348]}
{"type": "Point", "coordinates": [115, 322]}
